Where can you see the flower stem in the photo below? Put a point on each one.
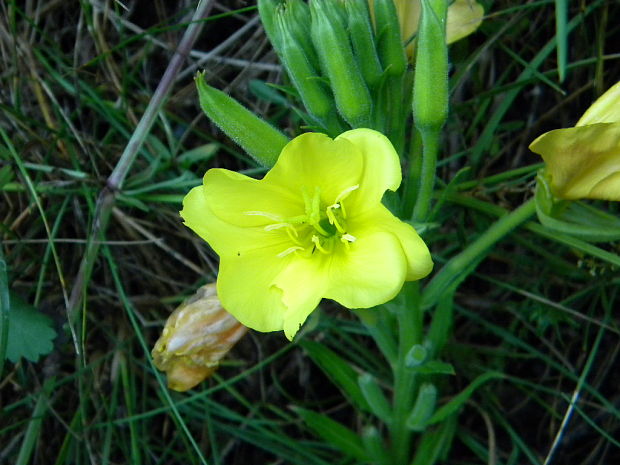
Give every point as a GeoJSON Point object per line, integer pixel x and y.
{"type": "Point", "coordinates": [430, 143]}
{"type": "Point", "coordinates": [461, 265]}
{"type": "Point", "coordinates": [410, 325]}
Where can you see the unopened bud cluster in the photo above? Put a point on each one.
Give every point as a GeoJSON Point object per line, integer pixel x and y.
{"type": "Point", "coordinates": [337, 57]}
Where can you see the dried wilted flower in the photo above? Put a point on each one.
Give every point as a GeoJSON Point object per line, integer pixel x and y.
{"type": "Point", "coordinates": [197, 335]}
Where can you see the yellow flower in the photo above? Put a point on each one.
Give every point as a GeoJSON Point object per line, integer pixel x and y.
{"type": "Point", "coordinates": [197, 335]}
{"type": "Point", "coordinates": [584, 161]}
{"type": "Point", "coordinates": [464, 17]}
{"type": "Point", "coordinates": [313, 227]}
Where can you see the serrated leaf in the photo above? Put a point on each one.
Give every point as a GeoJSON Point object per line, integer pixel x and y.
{"type": "Point", "coordinates": [30, 332]}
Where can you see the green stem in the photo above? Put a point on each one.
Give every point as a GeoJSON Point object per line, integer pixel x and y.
{"type": "Point", "coordinates": [413, 173]}
{"type": "Point", "coordinates": [410, 325]}
{"type": "Point", "coordinates": [430, 143]}
{"type": "Point", "coordinates": [461, 265]}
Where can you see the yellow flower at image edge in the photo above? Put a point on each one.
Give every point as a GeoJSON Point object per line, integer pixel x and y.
{"type": "Point", "coordinates": [464, 18]}
{"type": "Point", "coordinates": [584, 161]}
{"type": "Point", "coordinates": [313, 227]}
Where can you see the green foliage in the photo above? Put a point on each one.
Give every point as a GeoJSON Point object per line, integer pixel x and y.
{"type": "Point", "coordinates": [347, 441]}
{"type": "Point", "coordinates": [519, 339]}
{"type": "Point", "coordinates": [30, 332]}
{"type": "Point", "coordinates": [257, 137]}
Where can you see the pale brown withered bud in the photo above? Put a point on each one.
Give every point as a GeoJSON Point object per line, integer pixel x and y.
{"type": "Point", "coordinates": [195, 338]}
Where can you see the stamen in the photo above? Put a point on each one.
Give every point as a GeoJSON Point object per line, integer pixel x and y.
{"type": "Point", "coordinates": [289, 251]}
{"type": "Point", "coordinates": [345, 193]}
{"type": "Point", "coordinates": [271, 227]}
{"type": "Point", "coordinates": [290, 230]}
{"type": "Point", "coordinates": [332, 218]}
{"type": "Point", "coordinates": [271, 216]}
{"type": "Point", "coordinates": [320, 229]}
{"type": "Point", "coordinates": [293, 235]}
{"type": "Point", "coordinates": [317, 243]}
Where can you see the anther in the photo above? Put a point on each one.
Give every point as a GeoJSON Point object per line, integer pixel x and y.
{"type": "Point", "coordinates": [348, 238]}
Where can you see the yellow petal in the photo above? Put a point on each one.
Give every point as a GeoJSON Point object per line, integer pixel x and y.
{"type": "Point", "coordinates": [464, 17]}
{"type": "Point", "coordinates": [419, 260]}
{"type": "Point", "coordinates": [607, 188]}
{"type": "Point", "coordinates": [225, 238]}
{"type": "Point", "coordinates": [582, 162]}
{"type": "Point", "coordinates": [303, 284]}
{"type": "Point", "coordinates": [381, 167]}
{"type": "Point", "coordinates": [312, 160]}
{"type": "Point", "coordinates": [246, 288]}
{"type": "Point", "coordinates": [409, 14]}
{"type": "Point", "coordinates": [237, 199]}
{"type": "Point", "coordinates": [605, 110]}
{"type": "Point", "coordinates": [369, 272]}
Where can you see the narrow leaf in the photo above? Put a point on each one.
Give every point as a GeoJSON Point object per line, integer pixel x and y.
{"type": "Point", "coordinates": [458, 400]}
{"type": "Point", "coordinates": [339, 371]}
{"type": "Point", "coordinates": [338, 435]}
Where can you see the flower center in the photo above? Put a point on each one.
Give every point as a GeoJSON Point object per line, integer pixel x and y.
{"type": "Point", "coordinates": [320, 229]}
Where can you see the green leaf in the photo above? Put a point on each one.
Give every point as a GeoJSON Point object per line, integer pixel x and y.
{"type": "Point", "coordinates": [434, 367]}
{"type": "Point", "coordinates": [423, 408]}
{"type": "Point", "coordinates": [375, 397]}
{"type": "Point", "coordinates": [339, 371]}
{"type": "Point", "coordinates": [200, 154]}
{"type": "Point", "coordinates": [462, 397]}
{"type": "Point", "coordinates": [334, 433]}
{"type": "Point", "coordinates": [574, 218]}
{"type": "Point", "coordinates": [6, 175]}
{"type": "Point", "coordinates": [435, 443]}
{"type": "Point", "coordinates": [30, 332]}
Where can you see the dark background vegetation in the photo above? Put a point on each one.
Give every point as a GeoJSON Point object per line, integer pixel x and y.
{"type": "Point", "coordinates": [75, 78]}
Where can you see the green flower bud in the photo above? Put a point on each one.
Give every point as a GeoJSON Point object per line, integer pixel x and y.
{"type": "Point", "coordinates": [267, 11]}
{"type": "Point", "coordinates": [331, 42]}
{"type": "Point", "coordinates": [430, 87]}
{"type": "Point", "coordinates": [312, 90]}
{"type": "Point", "coordinates": [257, 137]}
{"type": "Point", "coordinates": [296, 15]}
{"type": "Point", "coordinates": [363, 40]}
{"type": "Point", "coordinates": [389, 42]}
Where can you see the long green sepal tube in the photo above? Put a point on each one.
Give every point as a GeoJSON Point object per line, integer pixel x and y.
{"type": "Point", "coordinates": [254, 135]}
{"type": "Point", "coordinates": [430, 96]}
